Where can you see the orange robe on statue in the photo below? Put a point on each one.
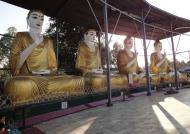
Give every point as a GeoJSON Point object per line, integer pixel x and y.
{"type": "Point", "coordinates": [122, 60]}
{"type": "Point", "coordinates": [88, 60]}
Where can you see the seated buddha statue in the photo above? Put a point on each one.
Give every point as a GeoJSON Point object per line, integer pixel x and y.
{"type": "Point", "coordinates": [128, 65]}
{"type": "Point", "coordinates": [161, 69]}
{"type": "Point", "coordinates": [88, 59]}
{"type": "Point", "coordinates": [159, 65]}
{"type": "Point", "coordinates": [89, 63]}
{"type": "Point", "coordinates": [34, 67]}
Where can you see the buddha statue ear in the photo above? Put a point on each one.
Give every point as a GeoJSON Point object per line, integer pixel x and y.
{"type": "Point", "coordinates": [85, 35]}
{"type": "Point", "coordinates": [26, 22]}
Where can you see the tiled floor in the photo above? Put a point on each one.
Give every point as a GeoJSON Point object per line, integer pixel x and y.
{"type": "Point", "coordinates": [157, 114]}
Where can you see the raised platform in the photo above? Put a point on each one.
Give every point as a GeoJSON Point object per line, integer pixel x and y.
{"type": "Point", "coordinates": [27, 115]}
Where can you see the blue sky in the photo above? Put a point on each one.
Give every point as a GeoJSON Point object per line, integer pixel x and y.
{"type": "Point", "coordinates": [14, 16]}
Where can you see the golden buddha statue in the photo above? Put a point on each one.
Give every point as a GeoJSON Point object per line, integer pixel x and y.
{"type": "Point", "coordinates": [159, 65]}
{"type": "Point", "coordinates": [89, 63]}
{"type": "Point", "coordinates": [88, 58]}
{"type": "Point", "coordinates": [161, 68]}
{"type": "Point", "coordinates": [128, 65]}
{"type": "Point", "coordinates": [34, 67]}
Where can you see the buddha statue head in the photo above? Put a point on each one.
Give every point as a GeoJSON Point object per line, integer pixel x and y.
{"type": "Point", "coordinates": [90, 38]}
{"type": "Point", "coordinates": [35, 20]}
{"type": "Point", "coordinates": [128, 43]}
{"type": "Point", "coordinates": [90, 35]}
{"type": "Point", "coordinates": [157, 46]}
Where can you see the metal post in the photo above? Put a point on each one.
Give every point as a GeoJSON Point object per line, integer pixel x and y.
{"type": "Point", "coordinates": [99, 47]}
{"type": "Point", "coordinates": [99, 42]}
{"type": "Point", "coordinates": [146, 62]}
{"type": "Point", "coordinates": [57, 42]}
{"type": "Point", "coordinates": [174, 60]}
{"type": "Point", "coordinates": [107, 54]}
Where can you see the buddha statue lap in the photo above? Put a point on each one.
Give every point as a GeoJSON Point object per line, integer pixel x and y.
{"type": "Point", "coordinates": [128, 65]}
{"type": "Point", "coordinates": [34, 67]}
{"type": "Point", "coordinates": [89, 63]}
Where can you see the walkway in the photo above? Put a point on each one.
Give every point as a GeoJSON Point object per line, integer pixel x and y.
{"type": "Point", "coordinates": [157, 114]}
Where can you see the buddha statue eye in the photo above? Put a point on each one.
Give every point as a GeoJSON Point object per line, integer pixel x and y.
{"type": "Point", "coordinates": [34, 17]}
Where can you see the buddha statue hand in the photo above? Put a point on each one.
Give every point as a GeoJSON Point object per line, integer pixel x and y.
{"type": "Point", "coordinates": [164, 56]}
{"type": "Point", "coordinates": [42, 72]}
{"type": "Point", "coordinates": [97, 71]}
{"type": "Point", "coordinates": [38, 40]}
{"type": "Point", "coordinates": [142, 75]}
{"type": "Point", "coordinates": [171, 74]}
{"type": "Point", "coordinates": [37, 37]}
{"type": "Point", "coordinates": [140, 71]}
{"type": "Point", "coordinates": [171, 69]}
{"type": "Point", "coordinates": [164, 53]}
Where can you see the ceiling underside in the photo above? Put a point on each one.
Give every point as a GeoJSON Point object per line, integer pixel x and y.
{"type": "Point", "coordinates": [79, 12]}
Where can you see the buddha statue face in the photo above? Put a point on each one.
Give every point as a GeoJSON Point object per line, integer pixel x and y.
{"type": "Point", "coordinates": [128, 43]}
{"type": "Point", "coordinates": [35, 20]}
{"type": "Point", "coordinates": [90, 36]}
{"type": "Point", "coordinates": [158, 47]}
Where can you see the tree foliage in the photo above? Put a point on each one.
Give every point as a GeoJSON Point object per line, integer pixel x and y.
{"type": "Point", "coordinates": [69, 36]}
{"type": "Point", "coordinates": [5, 43]}
{"type": "Point", "coordinates": [179, 64]}
{"type": "Point", "coordinates": [116, 48]}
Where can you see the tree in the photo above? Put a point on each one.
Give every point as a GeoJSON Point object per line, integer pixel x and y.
{"type": "Point", "coordinates": [69, 36]}
{"type": "Point", "coordinates": [179, 64]}
{"type": "Point", "coordinates": [5, 43]}
{"type": "Point", "coordinates": [114, 52]}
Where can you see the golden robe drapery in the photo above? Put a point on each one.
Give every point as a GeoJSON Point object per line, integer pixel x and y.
{"type": "Point", "coordinates": [161, 73]}
{"type": "Point", "coordinates": [42, 57]}
{"type": "Point", "coordinates": [163, 68]}
{"type": "Point", "coordinates": [26, 87]}
{"type": "Point", "coordinates": [123, 59]}
{"type": "Point", "coordinates": [87, 59]}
